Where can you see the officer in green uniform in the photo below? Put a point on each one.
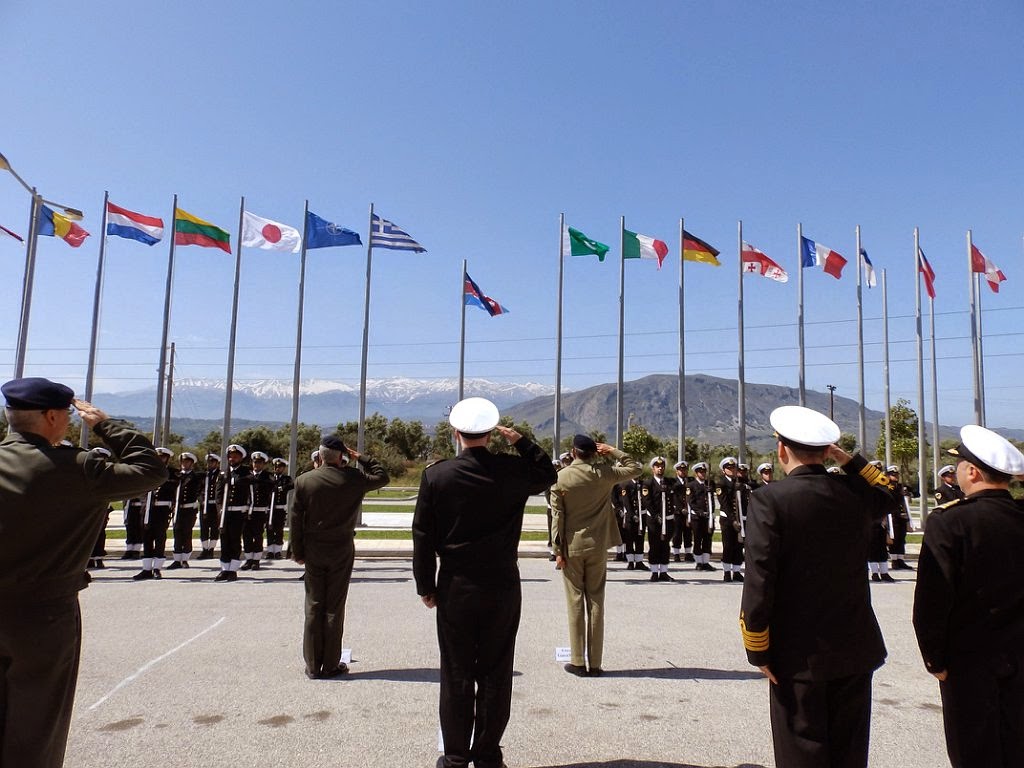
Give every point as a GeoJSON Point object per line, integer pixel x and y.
{"type": "Point", "coordinates": [54, 501]}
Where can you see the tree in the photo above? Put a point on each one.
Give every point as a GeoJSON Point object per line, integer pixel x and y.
{"type": "Point", "coordinates": [847, 442]}
{"type": "Point", "coordinates": [442, 445]}
{"type": "Point", "coordinates": [903, 428]}
{"type": "Point", "coordinates": [638, 442]}
{"type": "Point", "coordinates": [408, 439]}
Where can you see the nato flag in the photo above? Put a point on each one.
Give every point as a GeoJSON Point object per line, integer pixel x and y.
{"type": "Point", "coordinates": [325, 234]}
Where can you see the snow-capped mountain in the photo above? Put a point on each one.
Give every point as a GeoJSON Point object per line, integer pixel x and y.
{"type": "Point", "coordinates": [321, 401]}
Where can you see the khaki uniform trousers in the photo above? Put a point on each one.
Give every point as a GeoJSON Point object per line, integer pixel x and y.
{"type": "Point", "coordinates": [584, 577]}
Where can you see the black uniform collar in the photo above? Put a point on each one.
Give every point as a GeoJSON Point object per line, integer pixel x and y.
{"type": "Point", "coordinates": [990, 493]}
{"type": "Point", "coordinates": [808, 469]}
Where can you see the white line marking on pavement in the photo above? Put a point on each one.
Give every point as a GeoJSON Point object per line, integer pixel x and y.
{"type": "Point", "coordinates": [156, 661]}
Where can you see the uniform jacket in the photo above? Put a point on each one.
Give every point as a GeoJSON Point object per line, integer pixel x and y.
{"type": "Point", "coordinates": [697, 496]}
{"type": "Point", "coordinates": [213, 489]}
{"type": "Point", "coordinates": [806, 606]}
{"type": "Point", "coordinates": [190, 487]}
{"type": "Point", "coordinates": [236, 482]}
{"type": "Point", "coordinates": [262, 486]}
{"type": "Point", "coordinates": [969, 597]}
{"type": "Point", "coordinates": [652, 494]}
{"type": "Point", "coordinates": [626, 502]}
{"type": "Point", "coordinates": [324, 506]}
{"type": "Point", "coordinates": [469, 512]}
{"type": "Point", "coordinates": [581, 513]}
{"type": "Point", "coordinates": [53, 501]}
{"type": "Point", "coordinates": [947, 493]}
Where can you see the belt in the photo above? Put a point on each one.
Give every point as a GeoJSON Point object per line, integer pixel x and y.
{"type": "Point", "coordinates": [193, 505]}
{"type": "Point", "coordinates": [162, 503]}
{"type": "Point", "coordinates": [236, 509]}
{"type": "Point", "coordinates": [260, 509]}
{"type": "Point", "coordinates": [280, 506]}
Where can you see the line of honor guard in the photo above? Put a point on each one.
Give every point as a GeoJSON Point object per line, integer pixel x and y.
{"type": "Point", "coordinates": [235, 508]}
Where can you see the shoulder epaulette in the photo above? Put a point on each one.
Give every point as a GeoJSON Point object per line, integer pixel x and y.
{"type": "Point", "coordinates": [947, 505]}
{"type": "Point", "coordinates": [875, 476]}
{"type": "Point", "coordinates": [435, 461]}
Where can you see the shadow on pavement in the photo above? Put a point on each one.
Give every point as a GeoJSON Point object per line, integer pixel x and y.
{"type": "Point", "coordinates": [412, 675]}
{"type": "Point", "coordinates": [684, 673]}
{"type": "Point", "coordinates": [644, 764]}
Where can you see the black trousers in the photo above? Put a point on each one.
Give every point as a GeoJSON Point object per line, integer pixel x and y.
{"type": "Point", "coordinates": [732, 547]}
{"type": "Point", "coordinates": [231, 537]}
{"type": "Point", "coordinates": [701, 535]}
{"type": "Point", "coordinates": [983, 710]}
{"type": "Point", "coordinates": [209, 523]}
{"type": "Point", "coordinates": [154, 534]}
{"type": "Point", "coordinates": [183, 525]}
{"type": "Point", "coordinates": [633, 538]}
{"type": "Point", "coordinates": [275, 526]}
{"type": "Point", "coordinates": [683, 537]}
{"type": "Point", "coordinates": [877, 552]}
{"type": "Point", "coordinates": [99, 549]}
{"type": "Point", "coordinates": [477, 621]}
{"type": "Point", "coordinates": [899, 536]}
{"type": "Point", "coordinates": [328, 574]}
{"type": "Point", "coordinates": [252, 532]}
{"type": "Point", "coordinates": [821, 724]}
{"type": "Point", "coordinates": [133, 526]}
{"type": "Point", "coordinates": [38, 670]}
{"type": "Point", "coordinates": [658, 544]}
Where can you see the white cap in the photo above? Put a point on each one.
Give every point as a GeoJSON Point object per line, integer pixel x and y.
{"type": "Point", "coordinates": [314, 455]}
{"type": "Point", "coordinates": [237, 449]}
{"type": "Point", "coordinates": [876, 463]}
{"type": "Point", "coordinates": [474, 416]}
{"type": "Point", "coordinates": [949, 469]}
{"type": "Point", "coordinates": [212, 456]}
{"type": "Point", "coordinates": [700, 465]}
{"type": "Point", "coordinates": [834, 470]}
{"type": "Point", "coordinates": [187, 455]}
{"type": "Point", "coordinates": [744, 467]}
{"type": "Point", "coordinates": [804, 426]}
{"type": "Point", "coordinates": [991, 450]}
{"type": "Point", "coordinates": [765, 467]}
{"type": "Point", "coordinates": [280, 460]}
{"type": "Point", "coordinates": [727, 461]}
{"type": "Point", "coordinates": [680, 465]}
{"type": "Point", "coordinates": [99, 450]}
{"type": "Point", "coordinates": [892, 468]}
{"type": "Point", "coordinates": [164, 451]}
{"type": "Point", "coordinates": [259, 455]}
{"type": "Point", "coordinates": [657, 460]}
{"type": "Point", "coordinates": [567, 456]}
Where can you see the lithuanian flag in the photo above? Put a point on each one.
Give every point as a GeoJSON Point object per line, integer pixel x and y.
{"type": "Point", "coordinates": [695, 249]}
{"type": "Point", "coordinates": [191, 230]}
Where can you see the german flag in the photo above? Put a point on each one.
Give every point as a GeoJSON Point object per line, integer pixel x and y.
{"type": "Point", "coordinates": [695, 249]}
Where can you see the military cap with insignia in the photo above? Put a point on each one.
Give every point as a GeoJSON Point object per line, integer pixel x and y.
{"type": "Point", "coordinates": [700, 466]}
{"type": "Point", "coordinates": [728, 461]}
{"type": "Point", "coordinates": [948, 469]}
{"type": "Point", "coordinates": [37, 394]}
{"type": "Point", "coordinates": [474, 416]}
{"type": "Point", "coordinates": [259, 456]}
{"type": "Point", "coordinates": [892, 469]}
{"type": "Point", "coordinates": [765, 467]}
{"type": "Point", "coordinates": [988, 450]}
{"type": "Point", "coordinates": [236, 448]}
{"type": "Point", "coordinates": [187, 455]}
{"type": "Point", "coordinates": [680, 465]}
{"type": "Point", "coordinates": [212, 457]}
{"type": "Point", "coordinates": [164, 451]}
{"type": "Point", "coordinates": [279, 461]}
{"type": "Point", "coordinates": [658, 460]}
{"type": "Point", "coordinates": [803, 428]}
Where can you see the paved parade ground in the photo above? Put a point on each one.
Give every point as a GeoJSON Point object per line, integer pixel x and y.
{"type": "Point", "coordinates": [188, 672]}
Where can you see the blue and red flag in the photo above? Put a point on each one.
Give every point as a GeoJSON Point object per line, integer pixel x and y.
{"type": "Point", "coordinates": [474, 297]}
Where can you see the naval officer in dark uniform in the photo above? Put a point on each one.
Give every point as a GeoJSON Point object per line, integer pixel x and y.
{"type": "Point", "coordinates": [469, 512]}
{"type": "Point", "coordinates": [54, 500]}
{"type": "Point", "coordinates": [806, 614]}
{"type": "Point", "coordinates": [969, 605]}
{"type": "Point", "coordinates": [324, 510]}
{"type": "Point", "coordinates": [948, 489]}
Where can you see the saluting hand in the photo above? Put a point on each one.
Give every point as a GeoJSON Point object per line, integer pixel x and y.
{"type": "Point", "coordinates": [604, 449]}
{"type": "Point", "coordinates": [508, 433]}
{"type": "Point", "coordinates": [90, 414]}
{"type": "Point", "coordinates": [353, 454]}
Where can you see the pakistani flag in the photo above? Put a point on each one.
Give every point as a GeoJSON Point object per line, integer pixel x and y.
{"type": "Point", "coordinates": [577, 244]}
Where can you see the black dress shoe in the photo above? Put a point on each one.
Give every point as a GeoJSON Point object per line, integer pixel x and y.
{"type": "Point", "coordinates": [875, 577]}
{"type": "Point", "coordinates": [631, 566]}
{"type": "Point", "coordinates": [641, 565]}
{"type": "Point", "coordinates": [620, 557]}
{"type": "Point", "coordinates": [247, 565]}
{"type": "Point", "coordinates": [156, 573]}
{"type": "Point", "coordinates": [595, 672]}
{"type": "Point", "coordinates": [174, 566]}
{"type": "Point", "coordinates": [737, 577]}
{"type": "Point", "coordinates": [143, 576]}
{"type": "Point", "coordinates": [663, 576]}
{"type": "Point", "coordinates": [278, 556]}
{"type": "Point", "coordinates": [226, 576]}
{"type": "Point", "coordinates": [576, 669]}
{"type": "Point", "coordinates": [551, 558]}
{"type": "Point", "coordinates": [688, 557]}
{"type": "Point", "coordinates": [677, 557]}
{"type": "Point", "coordinates": [709, 567]}
{"type": "Point", "coordinates": [727, 576]}
{"type": "Point", "coordinates": [654, 577]}
{"type": "Point", "coordinates": [206, 554]}
{"type": "Point", "coordinates": [184, 563]}
{"type": "Point", "coordinates": [99, 564]}
{"type": "Point", "coordinates": [255, 565]}
{"type": "Point", "coordinates": [887, 577]}
{"type": "Point", "coordinates": [341, 669]}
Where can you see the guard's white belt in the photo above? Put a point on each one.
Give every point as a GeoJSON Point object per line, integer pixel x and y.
{"type": "Point", "coordinates": [162, 503]}
{"type": "Point", "coordinates": [280, 506]}
{"type": "Point", "coordinates": [260, 509]}
{"type": "Point", "coordinates": [236, 509]}
{"type": "Point", "coordinates": [193, 505]}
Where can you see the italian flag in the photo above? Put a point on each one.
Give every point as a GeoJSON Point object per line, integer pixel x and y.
{"type": "Point", "coordinates": [191, 230]}
{"type": "Point", "coordinates": [636, 246]}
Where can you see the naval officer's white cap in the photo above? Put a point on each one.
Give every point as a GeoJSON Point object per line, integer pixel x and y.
{"type": "Point", "coordinates": [728, 461]}
{"type": "Point", "coordinates": [212, 457]}
{"type": "Point", "coordinates": [474, 416]}
{"type": "Point", "coordinates": [658, 460]}
{"type": "Point", "coordinates": [804, 427]}
{"type": "Point", "coordinates": [700, 466]}
{"type": "Point", "coordinates": [892, 469]}
{"type": "Point", "coordinates": [164, 451]}
{"type": "Point", "coordinates": [765, 467]}
{"type": "Point", "coordinates": [259, 455]}
{"type": "Point", "coordinates": [187, 455]}
{"type": "Point", "coordinates": [680, 465]}
{"type": "Point", "coordinates": [949, 469]}
{"type": "Point", "coordinates": [989, 450]}
{"type": "Point", "coordinates": [237, 449]}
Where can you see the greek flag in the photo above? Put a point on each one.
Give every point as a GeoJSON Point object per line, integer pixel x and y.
{"type": "Point", "coordinates": [384, 234]}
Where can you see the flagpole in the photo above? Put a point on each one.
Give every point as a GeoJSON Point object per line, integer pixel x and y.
{"type": "Point", "coordinates": [555, 446]}
{"type": "Point", "coordinates": [800, 311]}
{"type": "Point", "coordinates": [681, 394]}
{"type": "Point", "coordinates": [157, 420]}
{"type": "Point", "coordinates": [230, 382]}
{"type": "Point", "coordinates": [922, 448]}
{"type": "Point", "coordinates": [861, 425]}
{"type": "Point", "coordinates": [90, 368]}
{"type": "Point", "coordinates": [974, 334]}
{"type": "Point", "coordinates": [981, 349]}
{"type": "Point", "coordinates": [462, 333]}
{"type": "Point", "coordinates": [166, 438]}
{"type": "Point", "coordinates": [741, 390]}
{"type": "Point", "coordinates": [26, 285]}
{"type": "Point", "coordinates": [361, 434]}
{"type": "Point", "coordinates": [885, 368]}
{"type": "Point", "coordinates": [293, 442]}
{"type": "Point", "coordinates": [622, 325]}
{"type": "Point", "coordinates": [935, 397]}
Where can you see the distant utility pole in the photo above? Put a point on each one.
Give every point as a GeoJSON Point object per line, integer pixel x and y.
{"type": "Point", "coordinates": [831, 401]}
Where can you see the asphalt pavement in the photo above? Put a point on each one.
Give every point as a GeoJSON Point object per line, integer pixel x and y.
{"type": "Point", "coordinates": [188, 672]}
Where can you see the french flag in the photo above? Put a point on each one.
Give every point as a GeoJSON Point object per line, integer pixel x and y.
{"type": "Point", "coordinates": [817, 255]}
{"type": "Point", "coordinates": [134, 226]}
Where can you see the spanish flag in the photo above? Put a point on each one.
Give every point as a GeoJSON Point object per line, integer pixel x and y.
{"type": "Point", "coordinates": [52, 224]}
{"type": "Point", "coordinates": [695, 249]}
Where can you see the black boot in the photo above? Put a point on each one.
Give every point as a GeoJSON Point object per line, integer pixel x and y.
{"type": "Point", "coordinates": [727, 576]}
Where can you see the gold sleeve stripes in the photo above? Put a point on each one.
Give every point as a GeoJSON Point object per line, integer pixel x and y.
{"type": "Point", "coordinates": [756, 642]}
{"type": "Point", "coordinates": [874, 476]}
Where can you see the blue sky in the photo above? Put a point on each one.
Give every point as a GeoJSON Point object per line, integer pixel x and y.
{"type": "Point", "coordinates": [472, 126]}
